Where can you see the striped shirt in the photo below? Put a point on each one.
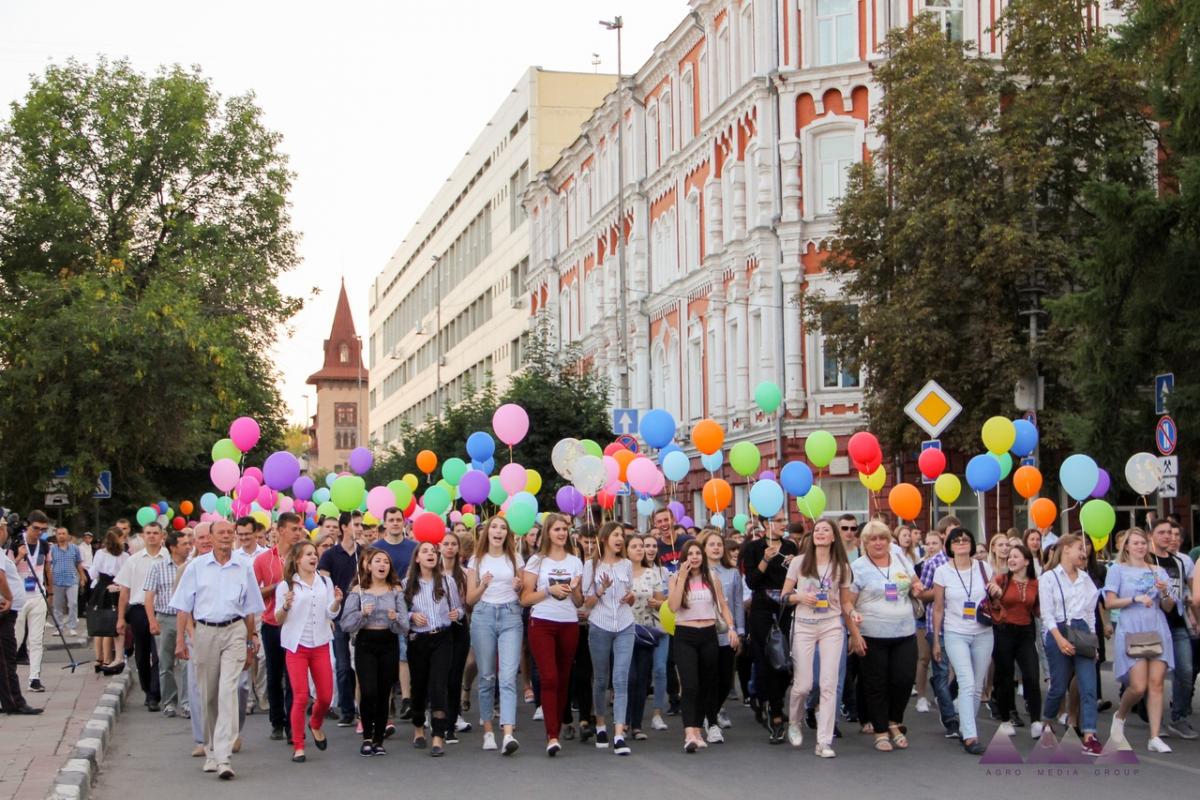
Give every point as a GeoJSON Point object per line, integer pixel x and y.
{"type": "Point", "coordinates": [437, 612]}
{"type": "Point", "coordinates": [927, 572]}
{"type": "Point", "coordinates": [611, 613]}
{"type": "Point", "coordinates": [161, 581]}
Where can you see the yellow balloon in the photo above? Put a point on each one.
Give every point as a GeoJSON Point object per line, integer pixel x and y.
{"type": "Point", "coordinates": [262, 517]}
{"type": "Point", "coordinates": [999, 434]}
{"type": "Point", "coordinates": [875, 480]}
{"type": "Point", "coordinates": [369, 519]}
{"type": "Point", "coordinates": [533, 481]}
{"type": "Point", "coordinates": [411, 480]}
{"type": "Point", "coordinates": [947, 487]}
{"type": "Point", "coordinates": [666, 619]}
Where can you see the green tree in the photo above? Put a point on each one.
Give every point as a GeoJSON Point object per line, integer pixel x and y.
{"type": "Point", "coordinates": [143, 222]}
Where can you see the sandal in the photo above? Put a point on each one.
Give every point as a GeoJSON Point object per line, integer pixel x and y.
{"type": "Point", "coordinates": [867, 728]}
{"type": "Point", "coordinates": [882, 744]}
{"type": "Point", "coordinates": [898, 738]}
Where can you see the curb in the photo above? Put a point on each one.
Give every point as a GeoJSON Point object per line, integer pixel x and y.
{"type": "Point", "coordinates": [75, 778]}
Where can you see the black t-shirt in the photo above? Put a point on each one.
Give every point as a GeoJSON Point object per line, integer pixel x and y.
{"type": "Point", "coordinates": [776, 573]}
{"type": "Point", "coordinates": [1174, 569]}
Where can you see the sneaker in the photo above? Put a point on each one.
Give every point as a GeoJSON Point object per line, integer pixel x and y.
{"type": "Point", "coordinates": [405, 710]}
{"type": "Point", "coordinates": [723, 720]}
{"type": "Point", "coordinates": [601, 738]}
{"type": "Point", "coordinates": [277, 734]}
{"type": "Point", "coordinates": [619, 746]}
{"type": "Point", "coordinates": [658, 723]}
{"type": "Point", "coordinates": [35, 685]}
{"type": "Point", "coordinates": [553, 748]}
{"type": "Point", "coordinates": [1157, 745]}
{"type": "Point", "coordinates": [714, 735]}
{"type": "Point", "coordinates": [994, 709]}
{"type": "Point", "coordinates": [922, 705]}
{"type": "Point", "coordinates": [436, 751]}
{"type": "Point", "coordinates": [210, 765]}
{"type": "Point", "coordinates": [378, 749]}
{"type": "Point", "coordinates": [170, 711]}
{"type": "Point", "coordinates": [153, 707]}
{"type": "Point", "coordinates": [1006, 729]}
{"type": "Point", "coordinates": [568, 731]}
{"type": "Point", "coordinates": [778, 732]}
{"type": "Point", "coordinates": [951, 730]}
{"type": "Point", "coordinates": [345, 721]}
{"type": "Point", "coordinates": [639, 735]}
{"type": "Point", "coordinates": [537, 713]}
{"type": "Point", "coordinates": [673, 708]}
{"type": "Point", "coordinates": [225, 772]}
{"type": "Point", "coordinates": [510, 744]}
{"type": "Point", "coordinates": [452, 736]}
{"type": "Point", "coordinates": [198, 751]}
{"type": "Point", "coordinates": [1035, 729]}
{"type": "Point", "coordinates": [795, 735]}
{"type": "Point", "coordinates": [586, 732]}
{"type": "Point", "coordinates": [1181, 728]}
{"type": "Point", "coordinates": [461, 725]}
{"type": "Point", "coordinates": [489, 740]}
{"type": "Point", "coordinates": [691, 746]}
{"type": "Point", "coordinates": [1104, 705]}
{"type": "Point", "coordinates": [1117, 733]}
{"type": "Point", "coordinates": [824, 751]}
{"type": "Point", "coordinates": [1015, 719]}
{"type": "Point", "coordinates": [1092, 746]}
{"type": "Point", "coordinates": [975, 748]}
{"type": "Point", "coordinates": [73, 633]}
{"type": "Point", "coordinates": [367, 749]}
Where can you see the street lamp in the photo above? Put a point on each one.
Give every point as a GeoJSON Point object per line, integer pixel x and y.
{"type": "Point", "coordinates": [616, 24]}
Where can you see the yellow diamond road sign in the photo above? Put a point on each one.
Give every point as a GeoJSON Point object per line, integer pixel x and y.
{"type": "Point", "coordinates": [933, 409]}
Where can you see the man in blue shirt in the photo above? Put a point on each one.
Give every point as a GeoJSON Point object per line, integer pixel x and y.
{"type": "Point", "coordinates": [400, 549]}
{"type": "Point", "coordinates": [340, 565]}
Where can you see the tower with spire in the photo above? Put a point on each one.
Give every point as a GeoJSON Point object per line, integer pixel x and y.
{"type": "Point", "coordinates": [340, 424]}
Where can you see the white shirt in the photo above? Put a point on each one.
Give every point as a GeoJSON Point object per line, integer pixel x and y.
{"type": "Point", "coordinates": [500, 591]}
{"type": "Point", "coordinates": [248, 558]}
{"type": "Point", "coordinates": [216, 592]}
{"type": "Point", "coordinates": [105, 563]}
{"type": "Point", "coordinates": [16, 584]}
{"type": "Point", "coordinates": [1080, 598]}
{"type": "Point", "coordinates": [960, 587]}
{"type": "Point", "coordinates": [610, 613]}
{"type": "Point", "coordinates": [85, 555]}
{"type": "Point", "coordinates": [309, 621]}
{"type": "Point", "coordinates": [547, 570]}
{"type": "Point", "coordinates": [134, 571]}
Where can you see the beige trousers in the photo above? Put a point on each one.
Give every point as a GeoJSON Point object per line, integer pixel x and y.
{"type": "Point", "coordinates": [219, 656]}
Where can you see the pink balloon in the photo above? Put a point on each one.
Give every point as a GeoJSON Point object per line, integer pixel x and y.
{"type": "Point", "coordinates": [513, 478]}
{"type": "Point", "coordinates": [254, 472]}
{"type": "Point", "coordinates": [613, 487]}
{"type": "Point", "coordinates": [247, 489]}
{"type": "Point", "coordinates": [379, 500]}
{"type": "Point", "coordinates": [510, 422]}
{"type": "Point", "coordinates": [285, 503]}
{"type": "Point", "coordinates": [455, 516]}
{"type": "Point", "coordinates": [244, 432]}
{"type": "Point", "coordinates": [224, 474]}
{"type": "Point", "coordinates": [266, 497]}
{"type": "Point", "coordinates": [612, 470]}
{"type": "Point", "coordinates": [641, 473]}
{"type": "Point", "coordinates": [299, 506]}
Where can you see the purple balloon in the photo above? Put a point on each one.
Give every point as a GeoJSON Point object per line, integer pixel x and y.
{"type": "Point", "coordinates": [1103, 484]}
{"type": "Point", "coordinates": [569, 500]}
{"type": "Point", "coordinates": [281, 470]}
{"type": "Point", "coordinates": [767, 475]}
{"type": "Point", "coordinates": [303, 488]}
{"type": "Point", "coordinates": [687, 522]}
{"type": "Point", "coordinates": [360, 460]}
{"type": "Point", "coordinates": [474, 486]}
{"type": "Point", "coordinates": [677, 510]}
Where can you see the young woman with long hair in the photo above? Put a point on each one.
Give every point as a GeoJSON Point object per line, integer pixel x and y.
{"type": "Point", "coordinates": [579, 693]}
{"type": "Point", "coordinates": [460, 636]}
{"type": "Point", "coordinates": [493, 593]}
{"type": "Point", "coordinates": [1141, 590]}
{"type": "Point", "coordinates": [551, 587]}
{"type": "Point", "coordinates": [905, 540]}
{"type": "Point", "coordinates": [375, 614]}
{"type": "Point", "coordinates": [721, 567]}
{"type": "Point", "coordinates": [661, 676]}
{"type": "Point", "coordinates": [1015, 634]}
{"type": "Point", "coordinates": [1033, 541]}
{"type": "Point", "coordinates": [106, 563]}
{"type": "Point", "coordinates": [818, 586]}
{"type": "Point", "coordinates": [607, 595]}
{"type": "Point", "coordinates": [649, 593]}
{"type": "Point", "coordinates": [434, 606]}
{"type": "Point", "coordinates": [698, 603]}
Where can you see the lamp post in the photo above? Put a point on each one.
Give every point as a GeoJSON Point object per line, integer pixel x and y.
{"type": "Point", "coordinates": [616, 24]}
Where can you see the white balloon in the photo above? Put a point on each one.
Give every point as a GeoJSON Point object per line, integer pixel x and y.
{"type": "Point", "coordinates": [1143, 473]}
{"type": "Point", "coordinates": [565, 454]}
{"type": "Point", "coordinates": [588, 475]}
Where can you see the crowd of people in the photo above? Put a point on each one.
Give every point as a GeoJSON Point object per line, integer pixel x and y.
{"type": "Point", "coordinates": [811, 626]}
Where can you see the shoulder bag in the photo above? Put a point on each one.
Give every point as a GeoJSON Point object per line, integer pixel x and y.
{"type": "Point", "coordinates": [1144, 645]}
{"type": "Point", "coordinates": [779, 651]}
{"type": "Point", "coordinates": [1086, 643]}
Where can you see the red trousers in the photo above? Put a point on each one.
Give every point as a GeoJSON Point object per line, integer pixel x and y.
{"type": "Point", "coordinates": [305, 660]}
{"type": "Point", "coordinates": [553, 646]}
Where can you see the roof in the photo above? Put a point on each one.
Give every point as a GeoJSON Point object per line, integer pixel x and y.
{"type": "Point", "coordinates": [342, 365]}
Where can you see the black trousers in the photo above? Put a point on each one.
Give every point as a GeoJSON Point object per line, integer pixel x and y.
{"type": "Point", "coordinates": [641, 668]}
{"type": "Point", "coordinates": [376, 661]}
{"type": "Point", "coordinates": [279, 688]}
{"type": "Point", "coordinates": [886, 675]}
{"type": "Point", "coordinates": [745, 667]}
{"type": "Point", "coordinates": [145, 654]}
{"type": "Point", "coordinates": [725, 659]}
{"type": "Point", "coordinates": [460, 636]}
{"type": "Point", "coordinates": [1016, 646]}
{"type": "Point", "coordinates": [581, 682]}
{"type": "Point", "coordinates": [696, 658]}
{"type": "Point", "coordinates": [769, 684]}
{"type": "Point", "coordinates": [10, 683]}
{"type": "Point", "coordinates": [429, 657]}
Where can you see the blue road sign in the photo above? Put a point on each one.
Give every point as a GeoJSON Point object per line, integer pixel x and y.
{"type": "Point", "coordinates": [1164, 385]}
{"type": "Point", "coordinates": [1166, 436]}
{"type": "Point", "coordinates": [623, 490]}
{"type": "Point", "coordinates": [625, 420]}
{"type": "Point", "coordinates": [103, 486]}
{"type": "Point", "coordinates": [628, 442]}
{"type": "Point", "coordinates": [930, 444]}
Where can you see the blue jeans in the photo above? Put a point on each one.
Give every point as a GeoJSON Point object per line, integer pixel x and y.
{"type": "Point", "coordinates": [939, 679]}
{"type": "Point", "coordinates": [344, 670]}
{"type": "Point", "coordinates": [662, 653]}
{"type": "Point", "coordinates": [969, 654]}
{"type": "Point", "coordinates": [1181, 680]}
{"type": "Point", "coordinates": [617, 647]}
{"type": "Point", "coordinates": [1062, 668]}
{"type": "Point", "coordinates": [496, 631]}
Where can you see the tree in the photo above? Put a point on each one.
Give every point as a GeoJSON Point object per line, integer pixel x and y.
{"type": "Point", "coordinates": [295, 440]}
{"type": "Point", "coordinates": [143, 222]}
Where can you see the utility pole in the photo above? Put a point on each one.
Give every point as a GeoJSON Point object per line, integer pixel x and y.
{"type": "Point", "coordinates": [437, 335]}
{"type": "Point", "coordinates": [622, 279]}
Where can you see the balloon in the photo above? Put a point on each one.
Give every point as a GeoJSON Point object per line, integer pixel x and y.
{"type": "Point", "coordinates": [208, 501]}
{"type": "Point", "coordinates": [224, 474]}
{"type": "Point", "coordinates": [666, 619]}
{"type": "Point", "coordinates": [1006, 463]}
{"type": "Point", "coordinates": [426, 462]}
{"type": "Point", "coordinates": [247, 488]}
{"type": "Point", "coordinates": [766, 497]}
{"type": "Point", "coordinates": [370, 519]}
{"type": "Point", "coordinates": [262, 518]}
{"type": "Point", "coordinates": [303, 488]}
{"type": "Point", "coordinates": [513, 478]}
{"type": "Point", "coordinates": [429, 528]}
{"type": "Point", "coordinates": [284, 504]}
{"type": "Point", "coordinates": [999, 434]}
{"type": "Point", "coordinates": [1143, 473]}
{"type": "Point", "coordinates": [643, 476]}
{"type": "Point", "coordinates": [768, 396]}
{"type": "Point", "coordinates": [1078, 475]}
{"type": "Point", "coordinates": [744, 458]}
{"type": "Point", "coordinates": [520, 518]}
{"type": "Point", "coordinates": [1103, 484]}
{"type": "Point", "coordinates": [496, 494]}
{"type": "Point", "coordinates": [739, 522]}
{"type": "Point", "coordinates": [1043, 511]}
{"type": "Point", "coordinates": [614, 448]}
{"type": "Point", "coordinates": [360, 460]}
{"type": "Point", "coordinates": [767, 475]}
{"type": "Point", "coordinates": [947, 487]}
{"type": "Point", "coordinates": [796, 477]}
{"type": "Point", "coordinates": [411, 479]}
{"type": "Point", "coordinates": [1026, 438]}
{"type": "Point", "coordinates": [1097, 519]}
{"type": "Point", "coordinates": [523, 498]}
{"type": "Point", "coordinates": [875, 481]}
{"type": "Point", "coordinates": [480, 446]}
{"type": "Point", "coordinates": [469, 520]}
{"type": "Point", "coordinates": [266, 497]}
{"type": "Point", "coordinates": [225, 448]}
{"type": "Point", "coordinates": [320, 496]}
{"type": "Point", "coordinates": [590, 448]}
{"type": "Point", "coordinates": [281, 470]}
{"type": "Point", "coordinates": [146, 515]}
{"type": "Point", "coordinates": [812, 505]}
{"type": "Point", "coordinates": [820, 448]}
{"type": "Point", "coordinates": [932, 462]}
{"type": "Point", "coordinates": [645, 506]}
{"type": "Point", "coordinates": [864, 450]}
{"type": "Point", "coordinates": [569, 500]}
{"type": "Point", "coordinates": [677, 510]}
{"type": "Point", "coordinates": [566, 452]}
{"type": "Point", "coordinates": [244, 432]}
{"type": "Point", "coordinates": [657, 428]}
{"type": "Point", "coordinates": [623, 458]}
{"type": "Point", "coordinates": [589, 475]}
{"type": "Point", "coordinates": [983, 472]}
{"type": "Point", "coordinates": [436, 499]}
{"type": "Point", "coordinates": [511, 423]}
{"type": "Point", "coordinates": [186, 507]}
{"type": "Point", "coordinates": [310, 524]}
{"type": "Point", "coordinates": [707, 436]}
{"type": "Point", "coordinates": [666, 451]}
{"type": "Point", "coordinates": [224, 506]}
{"type": "Point", "coordinates": [329, 479]}
{"type": "Point", "coordinates": [712, 461]}
{"type": "Point", "coordinates": [533, 481]}
{"type": "Point", "coordinates": [328, 509]}
{"type": "Point", "coordinates": [675, 465]}
{"type": "Point", "coordinates": [612, 470]}
{"type": "Point", "coordinates": [178, 523]}
{"type": "Point", "coordinates": [717, 494]}
{"type": "Point", "coordinates": [347, 492]}
{"type": "Point", "coordinates": [474, 486]}
{"type": "Point", "coordinates": [905, 501]}
{"type": "Point", "coordinates": [717, 520]}
{"type": "Point", "coordinates": [379, 500]}
{"type": "Point", "coordinates": [1027, 481]}
{"type": "Point", "coordinates": [605, 499]}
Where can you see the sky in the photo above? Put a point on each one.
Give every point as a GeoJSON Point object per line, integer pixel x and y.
{"type": "Point", "coordinates": [376, 102]}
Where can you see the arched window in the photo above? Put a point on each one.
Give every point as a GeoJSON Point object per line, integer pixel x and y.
{"type": "Point", "coordinates": [658, 373]}
{"type": "Point", "coordinates": [344, 353]}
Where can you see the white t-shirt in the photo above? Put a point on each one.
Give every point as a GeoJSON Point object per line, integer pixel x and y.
{"type": "Point", "coordinates": [16, 584]}
{"type": "Point", "coordinates": [961, 587]}
{"type": "Point", "coordinates": [549, 571]}
{"type": "Point", "coordinates": [500, 591]}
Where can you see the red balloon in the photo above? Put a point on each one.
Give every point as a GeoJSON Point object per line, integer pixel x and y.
{"type": "Point", "coordinates": [468, 508]}
{"type": "Point", "coordinates": [429, 528]}
{"type": "Point", "coordinates": [868, 467]}
{"type": "Point", "coordinates": [613, 448]}
{"type": "Point", "coordinates": [932, 462]}
{"type": "Point", "coordinates": [178, 523]}
{"type": "Point", "coordinates": [605, 499]}
{"type": "Point", "coordinates": [412, 506]}
{"type": "Point", "coordinates": [864, 449]}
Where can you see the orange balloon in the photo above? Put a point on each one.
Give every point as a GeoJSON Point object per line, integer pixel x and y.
{"type": "Point", "coordinates": [717, 494]}
{"type": "Point", "coordinates": [186, 507]}
{"type": "Point", "coordinates": [1027, 481]}
{"type": "Point", "coordinates": [905, 501]}
{"type": "Point", "coordinates": [1043, 512]}
{"type": "Point", "coordinates": [623, 458]}
{"type": "Point", "coordinates": [707, 436]}
{"type": "Point", "coordinates": [426, 461]}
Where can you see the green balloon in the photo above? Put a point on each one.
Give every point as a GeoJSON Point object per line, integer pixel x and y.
{"type": "Point", "coordinates": [347, 492]}
{"type": "Point", "coordinates": [812, 505]}
{"type": "Point", "coordinates": [146, 515]}
{"type": "Point", "coordinates": [469, 520]}
{"type": "Point", "coordinates": [739, 522]}
{"type": "Point", "coordinates": [224, 506]}
{"type": "Point", "coordinates": [592, 448]}
{"type": "Point", "coordinates": [744, 458]}
{"type": "Point", "coordinates": [449, 487]}
{"type": "Point", "coordinates": [436, 499]}
{"type": "Point", "coordinates": [820, 448]}
{"type": "Point", "coordinates": [403, 493]}
{"type": "Point", "coordinates": [1006, 463]}
{"type": "Point", "coordinates": [497, 495]}
{"type": "Point", "coordinates": [520, 518]}
{"type": "Point", "coordinates": [1097, 518]}
{"type": "Point", "coordinates": [453, 470]}
{"type": "Point", "coordinates": [768, 396]}
{"type": "Point", "coordinates": [225, 448]}
{"type": "Point", "coordinates": [328, 509]}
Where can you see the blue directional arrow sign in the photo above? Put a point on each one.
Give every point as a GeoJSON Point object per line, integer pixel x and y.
{"type": "Point", "coordinates": [1164, 385]}
{"type": "Point", "coordinates": [625, 420]}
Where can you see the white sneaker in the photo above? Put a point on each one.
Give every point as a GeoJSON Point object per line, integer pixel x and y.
{"type": "Point", "coordinates": [1035, 730]}
{"type": "Point", "coordinates": [537, 713]}
{"type": "Point", "coordinates": [824, 751]}
{"type": "Point", "coordinates": [1007, 729]}
{"type": "Point", "coordinates": [74, 634]}
{"type": "Point", "coordinates": [795, 735]}
{"type": "Point", "coordinates": [510, 744]}
{"type": "Point", "coordinates": [714, 734]}
{"type": "Point", "coordinates": [922, 705]}
{"type": "Point", "coordinates": [461, 725]}
{"type": "Point", "coordinates": [1157, 745]}
{"type": "Point", "coordinates": [210, 765]}
{"type": "Point", "coordinates": [1062, 719]}
{"type": "Point", "coordinates": [913, 692]}
{"type": "Point", "coordinates": [723, 720]}
{"type": "Point", "coordinates": [1117, 733]}
{"type": "Point", "coordinates": [657, 723]}
{"type": "Point", "coordinates": [489, 741]}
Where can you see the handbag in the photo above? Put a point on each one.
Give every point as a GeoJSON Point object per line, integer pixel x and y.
{"type": "Point", "coordinates": [1144, 645]}
{"type": "Point", "coordinates": [102, 622]}
{"type": "Point", "coordinates": [983, 613]}
{"type": "Point", "coordinates": [779, 653]}
{"type": "Point", "coordinates": [646, 636]}
{"type": "Point", "coordinates": [1086, 643]}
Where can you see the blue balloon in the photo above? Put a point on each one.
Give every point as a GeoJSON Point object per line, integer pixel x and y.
{"type": "Point", "coordinates": [717, 520]}
{"type": "Point", "coordinates": [983, 472]}
{"type": "Point", "coordinates": [713, 462]}
{"type": "Point", "coordinates": [208, 502]}
{"type": "Point", "coordinates": [667, 450]}
{"type": "Point", "coordinates": [645, 506]}
{"type": "Point", "coordinates": [486, 466]}
{"type": "Point", "coordinates": [796, 477]}
{"type": "Point", "coordinates": [162, 506]}
{"type": "Point", "coordinates": [1078, 475]}
{"type": "Point", "coordinates": [675, 466]}
{"type": "Point", "coordinates": [657, 427]}
{"type": "Point", "coordinates": [330, 478]}
{"type": "Point", "coordinates": [310, 523]}
{"type": "Point", "coordinates": [1027, 438]}
{"type": "Point", "coordinates": [766, 497]}
{"type": "Point", "coordinates": [320, 496]}
{"type": "Point", "coordinates": [526, 498]}
{"type": "Point", "coordinates": [480, 446]}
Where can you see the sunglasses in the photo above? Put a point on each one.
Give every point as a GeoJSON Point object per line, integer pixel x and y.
{"type": "Point", "coordinates": [848, 528]}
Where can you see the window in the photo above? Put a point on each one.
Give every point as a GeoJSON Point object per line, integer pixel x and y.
{"type": "Point", "coordinates": [746, 42]}
{"type": "Point", "coordinates": [345, 415]}
{"type": "Point", "coordinates": [835, 155]}
{"type": "Point", "coordinates": [847, 497]}
{"type": "Point", "coordinates": [591, 299]}
{"type": "Point", "coordinates": [516, 187]}
{"type": "Point", "coordinates": [835, 373]}
{"type": "Point", "coordinates": [687, 115]}
{"type": "Point", "coordinates": [723, 65]}
{"type": "Point", "coordinates": [705, 80]}
{"type": "Point", "coordinates": [695, 378]}
{"type": "Point", "coordinates": [564, 317]}
{"type": "Point", "coordinates": [691, 232]}
{"type": "Point", "coordinates": [837, 31]}
{"type": "Point", "coordinates": [949, 15]}
{"type": "Point", "coordinates": [652, 154]}
{"type": "Point", "coordinates": [344, 353]}
{"type": "Point", "coordinates": [668, 137]}
{"type": "Point", "coordinates": [658, 371]}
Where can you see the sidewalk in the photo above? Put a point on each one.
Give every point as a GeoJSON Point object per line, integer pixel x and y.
{"type": "Point", "coordinates": [33, 749]}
